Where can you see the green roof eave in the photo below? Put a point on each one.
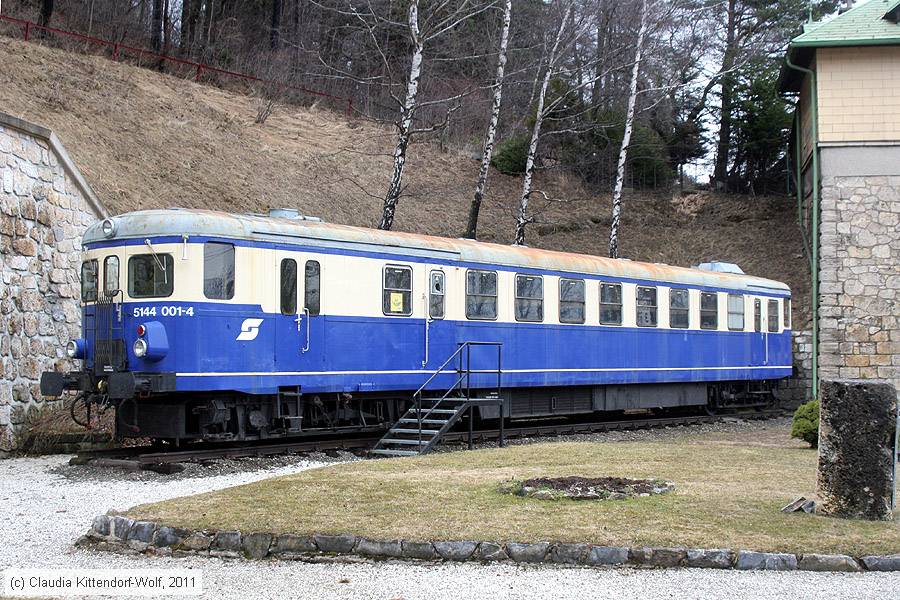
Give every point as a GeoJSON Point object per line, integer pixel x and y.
{"type": "Point", "coordinates": [883, 41]}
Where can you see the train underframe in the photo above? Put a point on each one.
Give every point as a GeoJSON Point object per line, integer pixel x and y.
{"type": "Point", "coordinates": [237, 417]}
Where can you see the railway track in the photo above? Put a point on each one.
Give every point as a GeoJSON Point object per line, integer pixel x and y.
{"type": "Point", "coordinates": [146, 458]}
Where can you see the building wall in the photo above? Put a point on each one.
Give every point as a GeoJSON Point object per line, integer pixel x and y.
{"type": "Point", "coordinates": [45, 206]}
{"type": "Point", "coordinates": [859, 314]}
{"type": "Point", "coordinates": [859, 94]}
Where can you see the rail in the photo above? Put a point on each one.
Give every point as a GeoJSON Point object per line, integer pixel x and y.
{"type": "Point", "coordinates": [119, 50]}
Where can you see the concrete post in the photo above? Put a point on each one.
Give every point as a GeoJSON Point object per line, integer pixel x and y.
{"type": "Point", "coordinates": [857, 422]}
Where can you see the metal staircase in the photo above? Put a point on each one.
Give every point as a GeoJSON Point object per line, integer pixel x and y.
{"type": "Point", "coordinates": [426, 421]}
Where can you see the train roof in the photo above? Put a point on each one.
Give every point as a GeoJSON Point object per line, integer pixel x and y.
{"type": "Point", "coordinates": [313, 232]}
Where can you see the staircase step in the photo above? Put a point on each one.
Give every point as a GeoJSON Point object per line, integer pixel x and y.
{"type": "Point", "coordinates": [424, 421]}
{"type": "Point", "coordinates": [387, 441]}
{"type": "Point", "coordinates": [443, 411]}
{"type": "Point", "coordinates": [416, 431]}
{"type": "Point", "coordinates": [388, 452]}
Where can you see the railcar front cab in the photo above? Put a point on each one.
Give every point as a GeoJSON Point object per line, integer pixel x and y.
{"type": "Point", "coordinates": [123, 345]}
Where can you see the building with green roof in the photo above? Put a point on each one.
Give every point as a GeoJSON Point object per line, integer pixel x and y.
{"type": "Point", "coordinates": [844, 76]}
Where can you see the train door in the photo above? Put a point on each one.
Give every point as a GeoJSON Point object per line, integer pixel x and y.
{"type": "Point", "coordinates": [758, 342]}
{"type": "Point", "coordinates": [435, 310]}
{"type": "Point", "coordinates": [290, 332]}
{"type": "Point", "coordinates": [299, 331]}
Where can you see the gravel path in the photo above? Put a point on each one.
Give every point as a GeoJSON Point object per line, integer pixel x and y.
{"type": "Point", "coordinates": [47, 505]}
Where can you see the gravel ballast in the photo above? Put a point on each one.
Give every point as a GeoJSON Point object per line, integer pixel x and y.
{"type": "Point", "coordinates": [44, 512]}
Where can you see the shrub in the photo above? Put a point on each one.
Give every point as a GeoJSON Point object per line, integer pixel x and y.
{"type": "Point", "coordinates": [806, 423]}
{"type": "Point", "coordinates": [511, 154]}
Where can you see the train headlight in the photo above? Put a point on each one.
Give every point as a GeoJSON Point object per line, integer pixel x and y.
{"type": "Point", "coordinates": [75, 349]}
{"type": "Point", "coordinates": [140, 348]}
{"type": "Point", "coordinates": [109, 227]}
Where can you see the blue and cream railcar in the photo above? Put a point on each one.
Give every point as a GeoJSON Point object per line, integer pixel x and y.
{"type": "Point", "coordinates": [201, 324]}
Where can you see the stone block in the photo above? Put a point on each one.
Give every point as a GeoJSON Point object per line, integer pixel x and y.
{"type": "Point", "coordinates": [455, 550]}
{"type": "Point", "coordinates": [420, 550]}
{"type": "Point", "coordinates": [294, 544]}
{"type": "Point", "coordinates": [227, 540]}
{"type": "Point", "coordinates": [169, 536]}
{"type": "Point", "coordinates": [384, 548]}
{"type": "Point", "coordinates": [828, 562]}
{"type": "Point", "coordinates": [710, 559]}
{"type": "Point", "coordinates": [256, 545]}
{"type": "Point", "coordinates": [196, 542]}
{"type": "Point", "coordinates": [142, 531]}
{"type": "Point", "coordinates": [856, 440]}
{"type": "Point", "coordinates": [120, 527]}
{"type": "Point", "coordinates": [532, 553]}
{"type": "Point", "coordinates": [570, 554]}
{"type": "Point", "coordinates": [335, 544]}
{"type": "Point", "coordinates": [100, 526]}
{"type": "Point", "coordinates": [606, 556]}
{"type": "Point", "coordinates": [882, 563]}
{"type": "Point", "coordinates": [769, 561]}
{"type": "Point", "coordinates": [490, 552]}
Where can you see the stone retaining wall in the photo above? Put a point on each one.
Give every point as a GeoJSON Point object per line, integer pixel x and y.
{"type": "Point", "coordinates": [45, 205]}
{"type": "Point", "coordinates": [859, 322]}
{"type": "Point", "coordinates": [121, 534]}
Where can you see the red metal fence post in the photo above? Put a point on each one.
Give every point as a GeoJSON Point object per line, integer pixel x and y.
{"type": "Point", "coordinates": [116, 52]}
{"type": "Point", "coordinates": [27, 30]}
{"type": "Point", "coordinates": [199, 71]}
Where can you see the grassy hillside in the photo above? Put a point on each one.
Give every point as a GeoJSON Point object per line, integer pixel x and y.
{"type": "Point", "coordinates": [149, 140]}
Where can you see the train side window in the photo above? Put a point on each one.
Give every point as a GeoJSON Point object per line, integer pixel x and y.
{"type": "Point", "coordinates": [288, 286]}
{"type": "Point", "coordinates": [786, 305]}
{"type": "Point", "coordinates": [111, 275]}
{"type": "Point", "coordinates": [773, 316]}
{"type": "Point", "coordinates": [481, 295]}
{"type": "Point", "coordinates": [89, 270]}
{"type": "Point", "coordinates": [312, 291]}
{"type": "Point", "coordinates": [436, 295]}
{"type": "Point", "coordinates": [679, 309]}
{"type": "Point", "coordinates": [218, 271]}
{"type": "Point", "coordinates": [646, 306]}
{"type": "Point", "coordinates": [611, 303]}
{"type": "Point", "coordinates": [529, 298]}
{"type": "Point", "coordinates": [151, 276]}
{"type": "Point", "coordinates": [397, 292]}
{"type": "Point", "coordinates": [709, 310]}
{"type": "Point", "coordinates": [757, 315]}
{"type": "Point", "coordinates": [571, 300]}
{"type": "Point", "coordinates": [735, 312]}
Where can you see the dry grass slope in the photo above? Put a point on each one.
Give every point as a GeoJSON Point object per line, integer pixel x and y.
{"type": "Point", "coordinates": [148, 140]}
{"type": "Point", "coordinates": [729, 491]}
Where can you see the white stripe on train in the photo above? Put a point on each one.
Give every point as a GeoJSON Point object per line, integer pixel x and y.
{"type": "Point", "coordinates": [426, 372]}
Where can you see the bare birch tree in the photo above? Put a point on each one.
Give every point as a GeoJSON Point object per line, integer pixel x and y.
{"type": "Point", "coordinates": [442, 23]}
{"type": "Point", "coordinates": [523, 218]}
{"type": "Point", "coordinates": [404, 125]}
{"type": "Point", "coordinates": [626, 137]}
{"type": "Point", "coordinates": [488, 151]}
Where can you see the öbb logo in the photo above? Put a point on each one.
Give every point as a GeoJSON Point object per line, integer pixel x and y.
{"type": "Point", "coordinates": [249, 330]}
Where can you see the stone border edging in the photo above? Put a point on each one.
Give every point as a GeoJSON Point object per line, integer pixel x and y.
{"type": "Point", "coordinates": [122, 533]}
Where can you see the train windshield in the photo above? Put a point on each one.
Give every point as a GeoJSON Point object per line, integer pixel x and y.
{"type": "Point", "coordinates": [151, 276]}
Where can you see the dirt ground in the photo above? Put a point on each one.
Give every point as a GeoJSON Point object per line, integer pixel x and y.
{"type": "Point", "coordinates": [147, 140]}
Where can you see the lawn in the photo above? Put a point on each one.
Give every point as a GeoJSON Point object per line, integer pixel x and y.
{"type": "Point", "coordinates": [729, 491]}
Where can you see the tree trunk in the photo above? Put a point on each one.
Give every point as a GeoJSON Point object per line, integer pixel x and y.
{"type": "Point", "coordinates": [275, 31]}
{"type": "Point", "coordinates": [404, 126]}
{"type": "Point", "coordinates": [184, 39]}
{"type": "Point", "coordinates": [156, 26]}
{"type": "Point", "coordinates": [46, 14]}
{"type": "Point", "coordinates": [626, 137]}
{"type": "Point", "coordinates": [723, 147]}
{"type": "Point", "coordinates": [522, 219]}
{"type": "Point", "coordinates": [488, 151]}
